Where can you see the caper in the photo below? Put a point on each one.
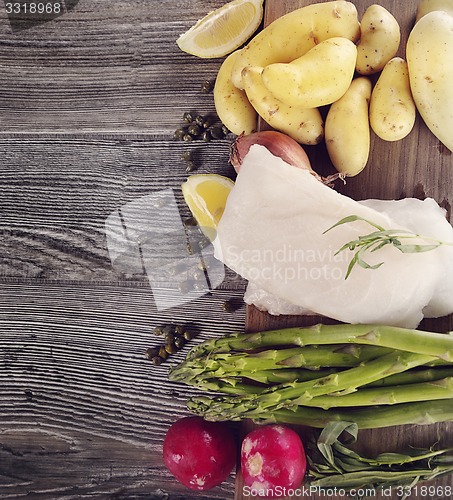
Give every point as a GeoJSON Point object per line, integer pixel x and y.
{"type": "Point", "coordinates": [170, 348]}
{"type": "Point", "coordinates": [187, 155]}
{"type": "Point", "coordinates": [169, 338]}
{"type": "Point", "coordinates": [207, 86]}
{"type": "Point", "coordinates": [194, 130]}
{"type": "Point", "coordinates": [217, 132]}
{"type": "Point", "coordinates": [158, 331]}
{"type": "Point", "coordinates": [180, 133]}
{"type": "Point", "coordinates": [157, 360]}
{"type": "Point", "coordinates": [227, 305]}
{"type": "Point", "coordinates": [206, 136]}
{"type": "Point", "coordinates": [152, 352]}
{"type": "Point", "coordinates": [199, 120]}
{"type": "Point", "coordinates": [187, 117]}
{"type": "Point", "coordinates": [225, 130]}
{"type": "Point", "coordinates": [168, 329]}
{"type": "Point", "coordinates": [190, 166]}
{"type": "Point", "coordinates": [162, 352]}
{"type": "Point", "coordinates": [179, 330]}
{"type": "Point", "coordinates": [188, 335]}
{"type": "Point", "coordinates": [206, 124]}
{"type": "Point", "coordinates": [190, 222]}
{"type": "Point", "coordinates": [179, 342]}
{"type": "Point", "coordinates": [187, 138]}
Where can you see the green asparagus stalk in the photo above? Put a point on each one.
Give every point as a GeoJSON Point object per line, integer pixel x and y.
{"type": "Point", "coordinates": [312, 357]}
{"type": "Point", "coordinates": [297, 393]}
{"type": "Point", "coordinates": [428, 391]}
{"type": "Point", "coordinates": [435, 344]}
{"type": "Point", "coordinates": [420, 413]}
{"type": "Point", "coordinates": [414, 376]}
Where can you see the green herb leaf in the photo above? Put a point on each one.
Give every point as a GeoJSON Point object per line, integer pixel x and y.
{"type": "Point", "coordinates": [376, 240]}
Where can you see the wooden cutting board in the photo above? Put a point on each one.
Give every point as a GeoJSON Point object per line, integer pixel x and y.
{"type": "Point", "coordinates": [418, 166]}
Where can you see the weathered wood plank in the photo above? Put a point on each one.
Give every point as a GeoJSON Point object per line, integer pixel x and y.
{"type": "Point", "coordinates": [109, 67]}
{"type": "Point", "coordinates": [82, 412]}
{"type": "Point", "coordinates": [59, 191]}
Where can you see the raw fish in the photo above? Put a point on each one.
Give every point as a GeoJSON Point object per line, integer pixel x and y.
{"type": "Point", "coordinates": [273, 234]}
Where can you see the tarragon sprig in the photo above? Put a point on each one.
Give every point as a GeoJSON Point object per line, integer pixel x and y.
{"type": "Point", "coordinates": [377, 239]}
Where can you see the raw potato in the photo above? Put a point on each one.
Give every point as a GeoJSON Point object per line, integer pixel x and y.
{"type": "Point", "coordinates": [305, 125]}
{"type": "Point", "coordinates": [379, 40]}
{"type": "Point", "coordinates": [231, 103]}
{"type": "Point", "coordinates": [319, 77]}
{"type": "Point", "coordinates": [392, 108]}
{"type": "Point", "coordinates": [429, 57]}
{"type": "Point", "coordinates": [426, 6]}
{"type": "Point", "coordinates": [347, 129]}
{"type": "Point", "coordinates": [295, 33]}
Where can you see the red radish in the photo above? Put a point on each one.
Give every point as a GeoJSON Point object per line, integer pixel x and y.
{"type": "Point", "coordinates": [272, 460]}
{"type": "Point", "coordinates": [200, 454]}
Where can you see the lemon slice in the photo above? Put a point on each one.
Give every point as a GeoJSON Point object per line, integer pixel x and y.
{"type": "Point", "coordinates": [206, 196]}
{"type": "Point", "coordinates": [223, 30]}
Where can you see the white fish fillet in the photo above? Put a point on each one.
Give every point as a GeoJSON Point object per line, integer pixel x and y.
{"type": "Point", "coordinates": [271, 233]}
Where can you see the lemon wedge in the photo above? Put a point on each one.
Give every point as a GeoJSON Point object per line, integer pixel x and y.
{"type": "Point", "coordinates": [206, 196]}
{"type": "Point", "coordinates": [223, 30]}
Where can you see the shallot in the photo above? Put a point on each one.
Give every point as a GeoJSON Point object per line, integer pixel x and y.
{"type": "Point", "coordinates": [281, 146]}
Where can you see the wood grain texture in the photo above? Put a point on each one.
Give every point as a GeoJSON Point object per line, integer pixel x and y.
{"type": "Point", "coordinates": [89, 103]}
{"type": "Point", "coordinates": [104, 67]}
{"type": "Point", "coordinates": [82, 412]}
{"type": "Point", "coordinates": [417, 166]}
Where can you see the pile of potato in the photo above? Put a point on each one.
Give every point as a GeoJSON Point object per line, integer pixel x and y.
{"type": "Point", "coordinates": [321, 55]}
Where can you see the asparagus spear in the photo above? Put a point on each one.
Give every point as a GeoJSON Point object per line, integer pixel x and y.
{"type": "Point", "coordinates": [313, 357]}
{"type": "Point", "coordinates": [297, 393]}
{"type": "Point", "coordinates": [429, 391]}
{"type": "Point", "coordinates": [416, 341]}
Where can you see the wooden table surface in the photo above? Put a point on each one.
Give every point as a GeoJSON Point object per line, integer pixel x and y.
{"type": "Point", "coordinates": [89, 102]}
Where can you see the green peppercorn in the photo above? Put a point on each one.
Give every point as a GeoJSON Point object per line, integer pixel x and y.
{"type": "Point", "coordinates": [180, 133]}
{"type": "Point", "coordinates": [187, 138]}
{"type": "Point", "coordinates": [157, 360]}
{"type": "Point", "coordinates": [187, 117]}
{"type": "Point", "coordinates": [217, 132]}
{"type": "Point", "coordinates": [179, 342]}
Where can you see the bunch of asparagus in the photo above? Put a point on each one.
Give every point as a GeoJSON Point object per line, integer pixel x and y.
{"type": "Point", "coordinates": [377, 375]}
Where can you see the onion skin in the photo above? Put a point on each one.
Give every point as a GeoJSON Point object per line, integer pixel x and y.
{"type": "Point", "coordinates": [278, 144]}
